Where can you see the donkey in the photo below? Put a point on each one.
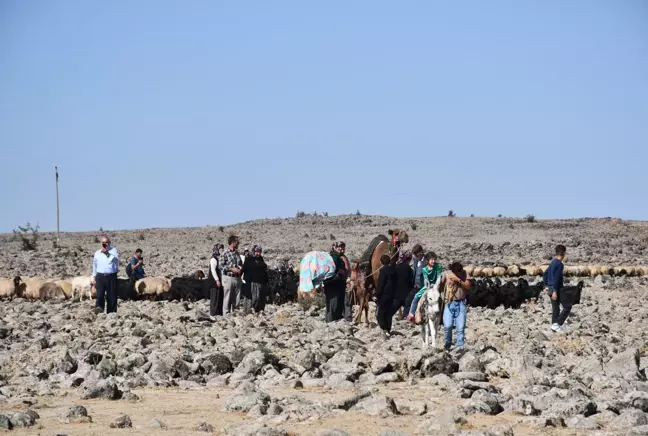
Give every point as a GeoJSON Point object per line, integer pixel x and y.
{"type": "Point", "coordinates": [433, 314]}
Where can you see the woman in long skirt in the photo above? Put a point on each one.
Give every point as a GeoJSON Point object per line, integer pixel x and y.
{"type": "Point", "coordinates": [256, 280]}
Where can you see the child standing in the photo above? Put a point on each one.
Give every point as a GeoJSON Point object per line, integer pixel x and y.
{"type": "Point", "coordinates": [431, 272]}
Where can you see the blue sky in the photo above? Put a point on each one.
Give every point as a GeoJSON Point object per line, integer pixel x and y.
{"type": "Point", "coordinates": [168, 113]}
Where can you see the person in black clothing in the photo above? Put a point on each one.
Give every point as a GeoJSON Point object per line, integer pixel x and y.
{"type": "Point", "coordinates": [404, 283]}
{"type": "Point", "coordinates": [335, 288]}
{"type": "Point", "coordinates": [256, 280]}
{"type": "Point", "coordinates": [385, 294]}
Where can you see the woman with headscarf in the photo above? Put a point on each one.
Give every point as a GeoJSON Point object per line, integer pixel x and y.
{"type": "Point", "coordinates": [214, 285]}
{"type": "Point", "coordinates": [256, 280]}
{"type": "Point", "coordinates": [404, 282]}
{"type": "Point", "coordinates": [385, 294]}
{"type": "Point", "coordinates": [335, 287]}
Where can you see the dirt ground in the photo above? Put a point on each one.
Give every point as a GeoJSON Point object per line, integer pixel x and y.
{"type": "Point", "coordinates": [183, 410]}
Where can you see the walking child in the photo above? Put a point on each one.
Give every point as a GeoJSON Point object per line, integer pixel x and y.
{"type": "Point", "coordinates": [553, 280]}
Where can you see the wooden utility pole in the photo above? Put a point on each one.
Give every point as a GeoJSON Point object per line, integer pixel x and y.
{"type": "Point", "coordinates": [58, 240]}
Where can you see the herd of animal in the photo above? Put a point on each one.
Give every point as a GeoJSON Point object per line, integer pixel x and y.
{"type": "Point", "coordinates": [570, 271]}
{"type": "Point", "coordinates": [282, 288]}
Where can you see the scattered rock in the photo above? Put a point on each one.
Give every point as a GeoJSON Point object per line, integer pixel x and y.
{"type": "Point", "coordinates": [122, 421]}
{"type": "Point", "coordinates": [75, 414]}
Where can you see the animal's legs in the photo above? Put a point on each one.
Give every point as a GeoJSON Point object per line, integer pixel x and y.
{"type": "Point", "coordinates": [432, 329]}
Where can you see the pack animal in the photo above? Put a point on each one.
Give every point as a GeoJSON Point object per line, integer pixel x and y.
{"type": "Point", "coordinates": [433, 313]}
{"type": "Point", "coordinates": [365, 272]}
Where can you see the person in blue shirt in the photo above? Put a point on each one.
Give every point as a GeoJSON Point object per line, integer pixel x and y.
{"type": "Point", "coordinates": [105, 265]}
{"type": "Point", "coordinates": [135, 270]}
{"type": "Point", "coordinates": [553, 282]}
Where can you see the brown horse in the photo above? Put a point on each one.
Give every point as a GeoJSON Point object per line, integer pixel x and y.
{"type": "Point", "coordinates": [365, 272]}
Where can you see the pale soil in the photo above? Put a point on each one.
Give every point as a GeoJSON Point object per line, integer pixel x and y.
{"type": "Point", "coordinates": [183, 410]}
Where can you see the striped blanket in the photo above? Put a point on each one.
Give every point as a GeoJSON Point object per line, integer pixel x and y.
{"type": "Point", "coordinates": [314, 268]}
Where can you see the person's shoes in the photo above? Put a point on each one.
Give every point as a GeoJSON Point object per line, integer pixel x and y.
{"type": "Point", "coordinates": [98, 310]}
{"type": "Point", "coordinates": [212, 318]}
{"type": "Point", "coordinates": [447, 347]}
{"type": "Point", "coordinates": [555, 327]}
{"type": "Point", "coordinates": [410, 318]}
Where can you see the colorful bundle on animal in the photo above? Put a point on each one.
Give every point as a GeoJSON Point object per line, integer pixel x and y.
{"type": "Point", "coordinates": [314, 268]}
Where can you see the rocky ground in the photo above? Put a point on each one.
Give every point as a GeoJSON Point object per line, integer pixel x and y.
{"type": "Point", "coordinates": [164, 367]}
{"type": "Point", "coordinates": [473, 241]}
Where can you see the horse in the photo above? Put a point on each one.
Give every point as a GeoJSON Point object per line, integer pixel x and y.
{"type": "Point", "coordinates": [433, 314]}
{"type": "Point", "coordinates": [365, 272]}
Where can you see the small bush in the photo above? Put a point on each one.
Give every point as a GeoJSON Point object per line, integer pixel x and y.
{"type": "Point", "coordinates": [499, 216]}
{"type": "Point", "coordinates": [300, 214]}
{"type": "Point", "coordinates": [141, 237]}
{"type": "Point", "coordinates": [325, 214]}
{"type": "Point", "coordinates": [451, 213]}
{"type": "Point", "coordinates": [358, 212]}
{"type": "Point", "coordinates": [413, 225]}
{"type": "Point", "coordinates": [210, 238]}
{"type": "Point", "coordinates": [472, 215]}
{"type": "Point", "coordinates": [95, 239]}
{"type": "Point", "coordinates": [28, 237]}
{"type": "Point", "coordinates": [311, 299]}
{"type": "Point", "coordinates": [332, 237]}
{"type": "Point", "coordinates": [221, 229]}
{"type": "Point", "coordinates": [530, 218]}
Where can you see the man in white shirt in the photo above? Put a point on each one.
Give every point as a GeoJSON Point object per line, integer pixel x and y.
{"type": "Point", "coordinates": [214, 279]}
{"type": "Point", "coordinates": [105, 265]}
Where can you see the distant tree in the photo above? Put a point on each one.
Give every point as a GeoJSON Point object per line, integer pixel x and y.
{"type": "Point", "coordinates": [451, 213]}
{"type": "Point", "coordinates": [530, 218]}
{"type": "Point", "coordinates": [413, 225]}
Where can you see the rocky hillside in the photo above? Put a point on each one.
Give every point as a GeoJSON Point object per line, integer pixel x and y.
{"type": "Point", "coordinates": [475, 241]}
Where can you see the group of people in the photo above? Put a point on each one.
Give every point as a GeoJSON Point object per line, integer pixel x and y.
{"type": "Point", "coordinates": [234, 279]}
{"type": "Point", "coordinates": [401, 287]}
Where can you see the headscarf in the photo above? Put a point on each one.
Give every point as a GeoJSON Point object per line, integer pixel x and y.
{"type": "Point", "coordinates": [338, 244]}
{"type": "Point", "coordinates": [405, 256]}
{"type": "Point", "coordinates": [256, 247]}
{"type": "Point", "coordinates": [215, 251]}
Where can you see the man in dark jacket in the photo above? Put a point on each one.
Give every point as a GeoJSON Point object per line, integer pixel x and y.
{"type": "Point", "coordinates": [335, 288]}
{"type": "Point", "coordinates": [385, 294]}
{"type": "Point", "coordinates": [553, 281]}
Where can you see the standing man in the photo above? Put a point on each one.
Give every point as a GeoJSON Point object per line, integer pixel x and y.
{"type": "Point", "coordinates": [418, 264]}
{"type": "Point", "coordinates": [104, 276]}
{"type": "Point", "coordinates": [553, 280]}
{"type": "Point", "coordinates": [335, 287]}
{"type": "Point", "coordinates": [135, 269]}
{"type": "Point", "coordinates": [231, 268]}
{"type": "Point", "coordinates": [214, 283]}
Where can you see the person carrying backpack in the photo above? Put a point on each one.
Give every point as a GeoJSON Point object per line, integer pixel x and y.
{"type": "Point", "coordinates": [135, 269]}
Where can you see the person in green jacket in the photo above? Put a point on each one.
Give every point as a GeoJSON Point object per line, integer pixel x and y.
{"type": "Point", "coordinates": [431, 272]}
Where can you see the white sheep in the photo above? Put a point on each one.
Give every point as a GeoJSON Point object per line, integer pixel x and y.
{"type": "Point", "coordinates": [499, 271]}
{"type": "Point", "coordinates": [513, 271]}
{"type": "Point", "coordinates": [81, 286]}
{"type": "Point", "coordinates": [66, 285]}
{"type": "Point", "coordinates": [153, 288]}
{"type": "Point", "coordinates": [8, 287]}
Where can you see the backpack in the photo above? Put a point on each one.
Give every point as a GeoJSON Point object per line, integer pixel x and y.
{"type": "Point", "coordinates": [129, 269]}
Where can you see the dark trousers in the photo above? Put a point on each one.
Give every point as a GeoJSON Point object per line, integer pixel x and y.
{"type": "Point", "coordinates": [334, 293]}
{"type": "Point", "coordinates": [400, 303]}
{"type": "Point", "coordinates": [384, 314]}
{"type": "Point", "coordinates": [348, 307]}
{"type": "Point", "coordinates": [215, 301]}
{"type": "Point", "coordinates": [107, 292]}
{"type": "Point", "coordinates": [565, 300]}
{"type": "Point", "coordinates": [408, 301]}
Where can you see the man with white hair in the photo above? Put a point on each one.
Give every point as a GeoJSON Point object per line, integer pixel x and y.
{"type": "Point", "coordinates": [105, 265]}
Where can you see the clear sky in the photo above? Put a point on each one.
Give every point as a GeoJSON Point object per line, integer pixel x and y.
{"type": "Point", "coordinates": [168, 113]}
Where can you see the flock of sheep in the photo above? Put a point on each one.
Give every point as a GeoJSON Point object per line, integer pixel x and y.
{"type": "Point", "coordinates": [193, 287]}
{"type": "Point", "coordinates": [569, 271]}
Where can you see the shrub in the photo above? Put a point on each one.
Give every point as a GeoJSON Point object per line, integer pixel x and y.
{"type": "Point", "coordinates": [472, 215]}
{"type": "Point", "coordinates": [300, 214]}
{"type": "Point", "coordinates": [332, 237]}
{"type": "Point", "coordinates": [530, 218]}
{"type": "Point", "coordinates": [221, 229]}
{"type": "Point", "coordinates": [451, 213]}
{"type": "Point", "coordinates": [499, 216]}
{"type": "Point", "coordinates": [95, 239]}
{"type": "Point", "coordinates": [28, 236]}
{"type": "Point", "coordinates": [101, 229]}
{"type": "Point", "coordinates": [210, 238]}
{"type": "Point", "coordinates": [141, 237]}
{"type": "Point", "coordinates": [325, 214]}
{"type": "Point", "coordinates": [413, 225]}
{"type": "Point", "coordinates": [358, 212]}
